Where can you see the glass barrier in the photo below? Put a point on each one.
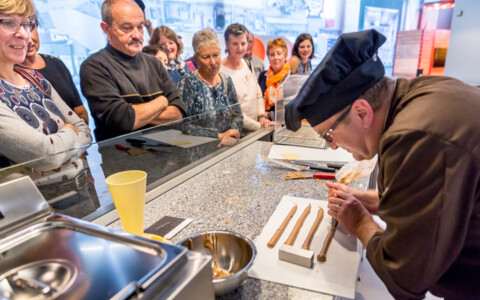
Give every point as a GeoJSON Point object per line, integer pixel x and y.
{"type": "Point", "coordinates": [78, 187]}
{"type": "Point", "coordinates": [306, 135]}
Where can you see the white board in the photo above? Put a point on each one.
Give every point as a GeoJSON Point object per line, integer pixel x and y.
{"type": "Point", "coordinates": [176, 137]}
{"type": "Point", "coordinates": [311, 154]}
{"type": "Point", "coordinates": [336, 276]}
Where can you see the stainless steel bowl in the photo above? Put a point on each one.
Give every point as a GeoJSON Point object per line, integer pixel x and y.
{"type": "Point", "coordinates": [236, 254]}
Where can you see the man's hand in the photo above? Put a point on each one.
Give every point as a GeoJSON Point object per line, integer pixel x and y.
{"type": "Point", "coordinates": [147, 112]}
{"type": "Point", "coordinates": [369, 199]}
{"type": "Point", "coordinates": [352, 215]}
{"type": "Point", "coordinates": [348, 210]}
{"type": "Point", "coordinates": [163, 101]}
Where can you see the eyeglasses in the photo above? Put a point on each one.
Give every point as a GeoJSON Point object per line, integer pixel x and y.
{"type": "Point", "coordinates": [326, 136]}
{"type": "Point", "coordinates": [12, 26]}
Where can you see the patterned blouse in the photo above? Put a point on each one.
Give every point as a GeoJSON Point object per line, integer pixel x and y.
{"type": "Point", "coordinates": [32, 124]}
{"type": "Point", "coordinates": [177, 69]}
{"type": "Point", "coordinates": [219, 109]}
{"type": "Point", "coordinates": [304, 69]}
{"type": "Point", "coordinates": [33, 107]}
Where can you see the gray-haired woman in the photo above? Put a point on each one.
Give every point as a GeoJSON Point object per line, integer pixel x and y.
{"type": "Point", "coordinates": [209, 92]}
{"type": "Point", "coordinates": [248, 91]}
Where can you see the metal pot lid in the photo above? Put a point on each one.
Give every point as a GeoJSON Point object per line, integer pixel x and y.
{"type": "Point", "coordinates": [53, 256]}
{"type": "Point", "coordinates": [44, 279]}
{"type": "Point", "coordinates": [104, 261]}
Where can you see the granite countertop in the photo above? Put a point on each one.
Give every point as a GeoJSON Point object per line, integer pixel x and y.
{"type": "Point", "coordinates": [238, 194]}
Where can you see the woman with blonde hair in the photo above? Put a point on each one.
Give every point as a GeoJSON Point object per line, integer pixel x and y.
{"type": "Point", "coordinates": [34, 121]}
{"type": "Point", "coordinates": [171, 43]}
{"type": "Point", "coordinates": [271, 80]}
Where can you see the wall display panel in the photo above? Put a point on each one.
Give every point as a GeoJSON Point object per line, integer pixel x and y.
{"type": "Point", "coordinates": [177, 12]}
{"type": "Point", "coordinates": [384, 16]}
{"type": "Point", "coordinates": [71, 30]}
{"type": "Point", "coordinates": [314, 8]}
{"type": "Point", "coordinates": [463, 56]}
{"type": "Point", "coordinates": [384, 20]}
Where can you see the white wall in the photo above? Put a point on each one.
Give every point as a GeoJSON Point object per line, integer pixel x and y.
{"type": "Point", "coordinates": [463, 56]}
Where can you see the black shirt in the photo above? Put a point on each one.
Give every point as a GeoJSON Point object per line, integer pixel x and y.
{"type": "Point", "coordinates": [59, 77]}
{"type": "Point", "coordinates": [112, 81]}
{"type": "Point", "coordinates": [262, 81]}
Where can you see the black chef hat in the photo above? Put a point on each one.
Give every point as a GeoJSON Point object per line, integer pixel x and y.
{"type": "Point", "coordinates": [349, 69]}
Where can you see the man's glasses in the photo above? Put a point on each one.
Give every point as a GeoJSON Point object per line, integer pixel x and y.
{"type": "Point", "coordinates": [12, 26]}
{"type": "Point", "coordinates": [326, 136]}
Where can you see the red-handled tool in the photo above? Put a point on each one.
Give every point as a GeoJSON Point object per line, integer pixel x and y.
{"type": "Point", "coordinates": [299, 175]}
{"type": "Point", "coordinates": [121, 147]}
{"type": "Point", "coordinates": [323, 176]}
{"type": "Point", "coordinates": [132, 152]}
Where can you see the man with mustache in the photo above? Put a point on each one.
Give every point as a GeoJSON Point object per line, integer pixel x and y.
{"type": "Point", "coordinates": [126, 89]}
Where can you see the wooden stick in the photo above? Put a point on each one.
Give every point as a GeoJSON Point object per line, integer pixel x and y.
{"type": "Point", "coordinates": [308, 240]}
{"type": "Point", "coordinates": [281, 229]}
{"type": "Point", "coordinates": [295, 175]}
{"type": "Point", "coordinates": [293, 235]}
{"type": "Point", "coordinates": [322, 256]}
{"type": "Point", "coordinates": [299, 175]}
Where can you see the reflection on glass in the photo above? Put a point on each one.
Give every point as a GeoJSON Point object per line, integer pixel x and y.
{"type": "Point", "coordinates": [306, 135]}
{"type": "Point", "coordinates": [78, 189]}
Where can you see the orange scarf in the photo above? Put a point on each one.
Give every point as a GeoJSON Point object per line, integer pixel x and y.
{"type": "Point", "coordinates": [273, 82]}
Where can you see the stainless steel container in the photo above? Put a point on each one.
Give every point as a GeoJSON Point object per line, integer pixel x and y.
{"type": "Point", "coordinates": [44, 256]}
{"type": "Point", "coordinates": [235, 254]}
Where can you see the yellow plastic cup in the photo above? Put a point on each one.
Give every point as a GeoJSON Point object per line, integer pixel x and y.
{"type": "Point", "coordinates": [128, 193]}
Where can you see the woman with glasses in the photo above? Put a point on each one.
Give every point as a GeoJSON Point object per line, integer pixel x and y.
{"type": "Point", "coordinates": [211, 93]}
{"type": "Point", "coordinates": [34, 120]}
{"type": "Point", "coordinates": [56, 73]}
